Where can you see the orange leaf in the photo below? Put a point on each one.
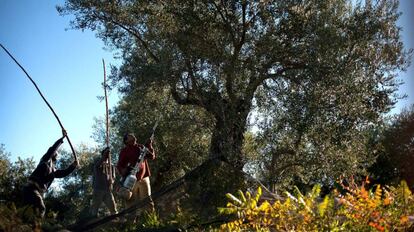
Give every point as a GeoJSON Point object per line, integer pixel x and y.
{"type": "Point", "coordinates": [403, 219]}
{"type": "Point", "coordinates": [387, 201]}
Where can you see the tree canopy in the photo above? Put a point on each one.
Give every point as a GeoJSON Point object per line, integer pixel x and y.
{"type": "Point", "coordinates": [330, 62]}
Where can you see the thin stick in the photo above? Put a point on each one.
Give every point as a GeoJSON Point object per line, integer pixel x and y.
{"type": "Point", "coordinates": [44, 99]}
{"type": "Point", "coordinates": [106, 105]}
{"type": "Point", "coordinates": [107, 119]}
{"type": "Point", "coordinates": [160, 116]}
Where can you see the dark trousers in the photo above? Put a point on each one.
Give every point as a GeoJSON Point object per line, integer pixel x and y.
{"type": "Point", "coordinates": [104, 196]}
{"type": "Point", "coordinates": [32, 197]}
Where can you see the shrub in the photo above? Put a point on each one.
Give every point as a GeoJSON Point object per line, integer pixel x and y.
{"type": "Point", "coordinates": [358, 209]}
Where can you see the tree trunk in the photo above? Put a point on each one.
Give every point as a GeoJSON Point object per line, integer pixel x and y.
{"type": "Point", "coordinates": [228, 135]}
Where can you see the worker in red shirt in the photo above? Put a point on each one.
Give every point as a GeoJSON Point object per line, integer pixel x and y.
{"type": "Point", "coordinates": [128, 158]}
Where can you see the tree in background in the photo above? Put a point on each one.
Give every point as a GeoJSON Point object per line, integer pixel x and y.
{"type": "Point", "coordinates": [396, 157]}
{"type": "Point", "coordinates": [12, 177]}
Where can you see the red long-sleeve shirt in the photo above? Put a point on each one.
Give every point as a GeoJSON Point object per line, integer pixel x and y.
{"type": "Point", "coordinates": [129, 157]}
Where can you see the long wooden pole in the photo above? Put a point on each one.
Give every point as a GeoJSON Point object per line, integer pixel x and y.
{"type": "Point", "coordinates": [44, 99]}
{"type": "Point", "coordinates": [107, 119]}
{"type": "Point", "coordinates": [106, 105]}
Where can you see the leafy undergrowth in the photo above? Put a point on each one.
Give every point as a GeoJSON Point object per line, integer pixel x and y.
{"type": "Point", "coordinates": [357, 208]}
{"type": "Point", "coordinates": [382, 208]}
{"type": "Point", "coordinates": [24, 219]}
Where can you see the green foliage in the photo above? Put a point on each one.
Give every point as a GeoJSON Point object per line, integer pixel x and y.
{"type": "Point", "coordinates": [4, 160]}
{"type": "Point", "coordinates": [315, 125]}
{"type": "Point", "coordinates": [99, 136]}
{"type": "Point", "coordinates": [24, 219]}
{"type": "Point", "coordinates": [151, 220]}
{"type": "Point", "coordinates": [379, 209]}
{"type": "Point", "coordinates": [13, 176]}
{"type": "Point", "coordinates": [10, 219]}
{"type": "Point", "coordinates": [181, 218]}
{"type": "Point", "coordinates": [396, 150]}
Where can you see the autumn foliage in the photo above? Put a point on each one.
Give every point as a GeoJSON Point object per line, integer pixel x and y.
{"type": "Point", "coordinates": [358, 208]}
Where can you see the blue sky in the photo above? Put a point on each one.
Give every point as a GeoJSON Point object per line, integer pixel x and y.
{"type": "Point", "coordinates": [406, 21]}
{"type": "Point", "coordinates": [67, 66]}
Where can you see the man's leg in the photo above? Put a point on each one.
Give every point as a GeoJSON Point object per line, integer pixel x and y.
{"type": "Point", "coordinates": [39, 204]}
{"type": "Point", "coordinates": [131, 201]}
{"type": "Point", "coordinates": [145, 191]}
{"type": "Point", "coordinates": [134, 197]}
{"type": "Point", "coordinates": [32, 198]}
{"type": "Point", "coordinates": [110, 202]}
{"type": "Point", "coordinates": [97, 198]}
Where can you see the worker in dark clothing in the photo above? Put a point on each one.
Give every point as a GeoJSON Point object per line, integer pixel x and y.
{"type": "Point", "coordinates": [43, 176]}
{"type": "Point", "coordinates": [103, 179]}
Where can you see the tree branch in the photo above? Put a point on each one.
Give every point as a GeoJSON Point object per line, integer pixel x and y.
{"type": "Point", "coordinates": [236, 52]}
{"type": "Point", "coordinates": [255, 82]}
{"type": "Point", "coordinates": [130, 30]}
{"type": "Point", "coordinates": [226, 22]}
{"type": "Point", "coordinates": [184, 100]}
